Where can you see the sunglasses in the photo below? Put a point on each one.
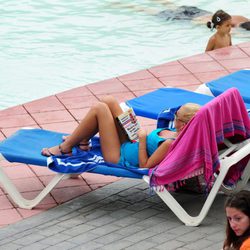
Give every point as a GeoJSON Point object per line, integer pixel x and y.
{"type": "Point", "coordinates": [178, 119]}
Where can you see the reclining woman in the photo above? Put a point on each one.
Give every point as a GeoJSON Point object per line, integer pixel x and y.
{"type": "Point", "coordinates": [115, 146]}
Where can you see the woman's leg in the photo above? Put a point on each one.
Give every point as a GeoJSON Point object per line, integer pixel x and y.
{"type": "Point", "coordinates": [166, 3]}
{"type": "Point", "coordinates": [87, 128]}
{"type": "Point", "coordinates": [99, 118]}
{"type": "Point", "coordinates": [116, 110]}
{"type": "Point", "coordinates": [133, 7]}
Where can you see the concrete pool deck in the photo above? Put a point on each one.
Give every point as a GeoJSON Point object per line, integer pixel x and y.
{"type": "Point", "coordinates": [63, 111]}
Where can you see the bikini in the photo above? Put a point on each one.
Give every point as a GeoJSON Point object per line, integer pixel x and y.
{"type": "Point", "coordinates": [130, 151]}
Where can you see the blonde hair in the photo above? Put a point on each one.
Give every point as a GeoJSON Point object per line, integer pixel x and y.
{"type": "Point", "coordinates": [188, 110]}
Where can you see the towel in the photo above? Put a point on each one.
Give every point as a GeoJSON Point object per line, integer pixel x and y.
{"type": "Point", "coordinates": [91, 161]}
{"type": "Point", "coordinates": [196, 146]}
{"type": "Point", "coordinates": [166, 118]}
{"type": "Point", "coordinates": [80, 161]}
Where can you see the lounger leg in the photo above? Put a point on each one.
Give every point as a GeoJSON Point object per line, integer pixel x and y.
{"type": "Point", "coordinates": [18, 198]}
{"type": "Point", "coordinates": [226, 163]}
{"type": "Point", "coordinates": [180, 212]}
{"type": "Point", "coordinates": [240, 184]}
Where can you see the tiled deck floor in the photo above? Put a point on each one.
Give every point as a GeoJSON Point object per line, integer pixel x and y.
{"type": "Point", "coordinates": [63, 111]}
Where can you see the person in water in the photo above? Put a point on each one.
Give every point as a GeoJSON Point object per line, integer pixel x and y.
{"type": "Point", "coordinates": [237, 21]}
{"type": "Point", "coordinates": [115, 146]}
{"type": "Point", "coordinates": [192, 13]}
{"type": "Point", "coordinates": [238, 221]}
{"type": "Point", "coordinates": [222, 22]}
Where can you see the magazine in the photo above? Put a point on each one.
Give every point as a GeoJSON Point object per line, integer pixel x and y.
{"type": "Point", "coordinates": [130, 124]}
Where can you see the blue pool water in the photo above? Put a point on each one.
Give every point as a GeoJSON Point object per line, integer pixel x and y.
{"type": "Point", "coordinates": [50, 46]}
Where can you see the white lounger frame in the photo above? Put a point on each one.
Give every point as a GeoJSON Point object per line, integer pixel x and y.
{"type": "Point", "coordinates": [240, 151]}
{"type": "Point", "coordinates": [16, 196]}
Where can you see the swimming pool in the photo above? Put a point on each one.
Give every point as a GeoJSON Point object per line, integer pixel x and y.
{"type": "Point", "coordinates": [50, 46]}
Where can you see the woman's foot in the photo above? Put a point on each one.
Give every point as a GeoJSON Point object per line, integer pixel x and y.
{"type": "Point", "coordinates": [56, 150]}
{"type": "Point", "coordinates": [64, 137]}
{"type": "Point", "coordinates": [83, 145]}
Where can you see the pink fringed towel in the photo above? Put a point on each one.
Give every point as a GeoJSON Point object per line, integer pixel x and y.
{"type": "Point", "coordinates": [196, 147]}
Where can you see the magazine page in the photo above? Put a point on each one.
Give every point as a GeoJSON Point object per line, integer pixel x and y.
{"type": "Point", "coordinates": [130, 124]}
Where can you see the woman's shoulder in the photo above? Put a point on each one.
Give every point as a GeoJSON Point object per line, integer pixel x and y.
{"type": "Point", "coordinates": [246, 244]}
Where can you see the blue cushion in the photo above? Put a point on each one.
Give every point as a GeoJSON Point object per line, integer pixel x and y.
{"type": "Point", "coordinates": [239, 80]}
{"type": "Point", "coordinates": [152, 104]}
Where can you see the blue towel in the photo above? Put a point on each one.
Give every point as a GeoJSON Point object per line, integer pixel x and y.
{"type": "Point", "coordinates": [82, 161]}
{"type": "Point", "coordinates": [166, 118]}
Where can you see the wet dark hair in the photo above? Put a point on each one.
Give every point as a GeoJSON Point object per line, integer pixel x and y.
{"type": "Point", "coordinates": [245, 25]}
{"type": "Point", "coordinates": [218, 18]}
{"type": "Point", "coordinates": [240, 201]}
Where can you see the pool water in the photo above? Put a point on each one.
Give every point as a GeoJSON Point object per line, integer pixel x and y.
{"type": "Point", "coordinates": [50, 46]}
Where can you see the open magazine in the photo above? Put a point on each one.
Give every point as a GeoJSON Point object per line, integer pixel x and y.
{"type": "Point", "coordinates": [130, 124]}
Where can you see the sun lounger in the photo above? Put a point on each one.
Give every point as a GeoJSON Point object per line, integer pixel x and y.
{"type": "Point", "coordinates": [25, 146]}
{"type": "Point", "coordinates": [153, 103]}
{"type": "Point", "coordinates": [196, 151]}
{"type": "Point", "coordinates": [239, 79]}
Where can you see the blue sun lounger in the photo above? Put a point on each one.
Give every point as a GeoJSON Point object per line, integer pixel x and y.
{"type": "Point", "coordinates": [25, 147]}
{"type": "Point", "coordinates": [239, 79]}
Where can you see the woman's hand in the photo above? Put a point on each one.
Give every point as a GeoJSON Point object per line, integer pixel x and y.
{"type": "Point", "coordinates": [142, 133]}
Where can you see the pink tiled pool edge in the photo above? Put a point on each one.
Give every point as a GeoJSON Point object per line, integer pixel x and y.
{"type": "Point", "coordinates": [63, 111]}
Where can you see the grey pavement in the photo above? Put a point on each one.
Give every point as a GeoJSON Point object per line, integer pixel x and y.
{"type": "Point", "coordinates": [122, 215]}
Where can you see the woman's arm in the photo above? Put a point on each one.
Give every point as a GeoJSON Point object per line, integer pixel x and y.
{"type": "Point", "coordinates": [143, 155]}
{"type": "Point", "coordinates": [156, 157]}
